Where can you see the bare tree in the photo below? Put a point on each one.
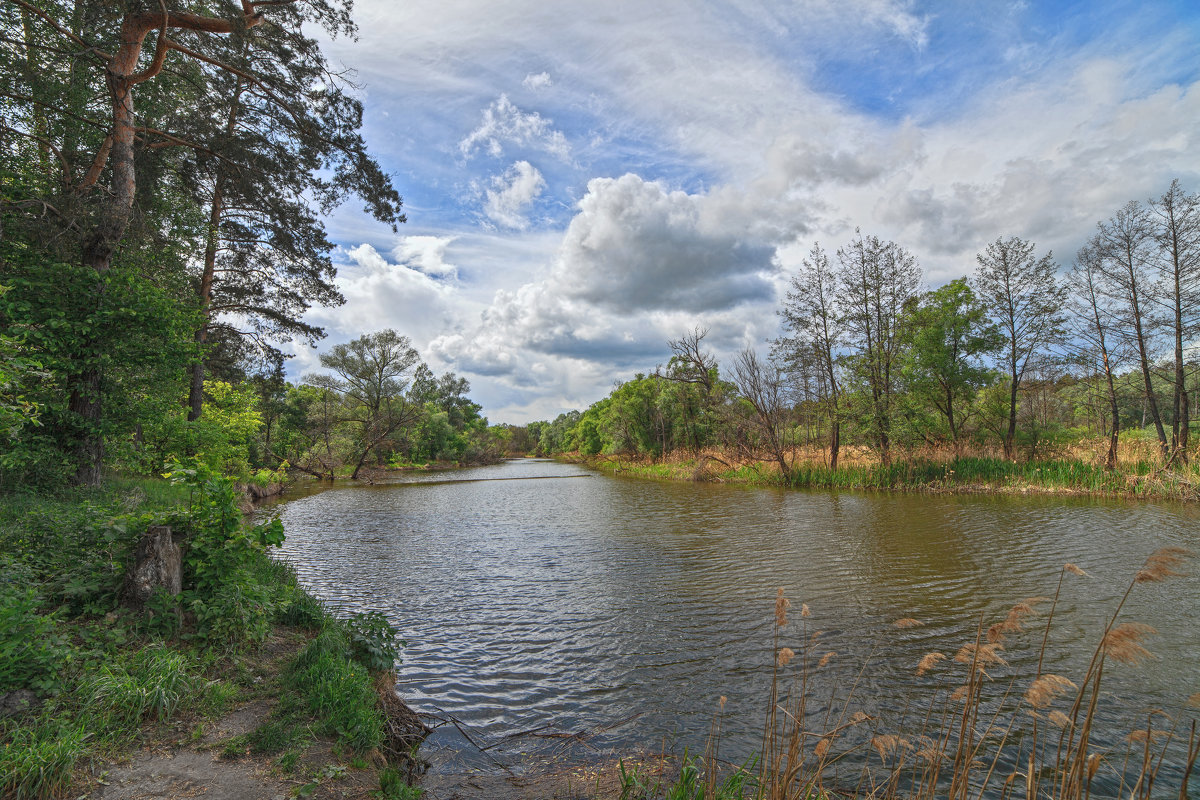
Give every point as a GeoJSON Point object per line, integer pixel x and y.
{"type": "Point", "coordinates": [1126, 246]}
{"type": "Point", "coordinates": [761, 385]}
{"type": "Point", "coordinates": [811, 321]}
{"type": "Point", "coordinates": [1175, 218]}
{"type": "Point", "coordinates": [693, 365]}
{"type": "Point", "coordinates": [1025, 300]}
{"type": "Point", "coordinates": [1096, 339]}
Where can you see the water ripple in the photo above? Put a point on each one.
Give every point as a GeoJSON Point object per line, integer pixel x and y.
{"type": "Point", "coordinates": [529, 601]}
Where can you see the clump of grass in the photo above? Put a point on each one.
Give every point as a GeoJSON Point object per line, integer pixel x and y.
{"type": "Point", "coordinates": [339, 691]}
{"type": "Point", "coordinates": [150, 685]}
{"type": "Point", "coordinates": [37, 760]}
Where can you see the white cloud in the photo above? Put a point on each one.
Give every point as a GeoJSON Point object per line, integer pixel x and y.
{"type": "Point", "coordinates": [382, 294]}
{"type": "Point", "coordinates": [634, 245]}
{"type": "Point", "coordinates": [722, 100]}
{"type": "Point", "coordinates": [426, 254]}
{"type": "Point", "coordinates": [541, 80]}
{"type": "Point", "coordinates": [504, 123]}
{"type": "Point", "coordinates": [512, 193]}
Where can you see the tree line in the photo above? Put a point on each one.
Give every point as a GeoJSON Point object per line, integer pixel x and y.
{"type": "Point", "coordinates": [1023, 356]}
{"type": "Point", "coordinates": [164, 171]}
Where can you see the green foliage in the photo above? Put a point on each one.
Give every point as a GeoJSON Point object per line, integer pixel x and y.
{"type": "Point", "coordinates": [338, 691]}
{"type": "Point", "coordinates": [123, 324]}
{"type": "Point", "coordinates": [393, 786]}
{"type": "Point", "coordinates": [232, 608]}
{"type": "Point", "coordinates": [277, 735]}
{"type": "Point", "coordinates": [374, 641]}
{"type": "Point", "coordinates": [150, 684]}
{"type": "Point", "coordinates": [221, 440]}
{"type": "Point", "coordinates": [32, 651]}
{"type": "Point", "coordinates": [36, 761]}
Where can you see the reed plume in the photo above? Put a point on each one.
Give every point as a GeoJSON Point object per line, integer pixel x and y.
{"type": "Point", "coordinates": [1161, 564]}
{"type": "Point", "coordinates": [1124, 642]}
{"type": "Point", "coordinates": [1047, 687]}
{"type": "Point", "coordinates": [908, 622]}
{"type": "Point", "coordinates": [929, 661]}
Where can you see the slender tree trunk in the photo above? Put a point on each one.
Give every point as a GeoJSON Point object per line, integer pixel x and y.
{"type": "Point", "coordinates": [1011, 435]}
{"type": "Point", "coordinates": [196, 391]}
{"type": "Point", "coordinates": [1151, 400]}
{"type": "Point", "coordinates": [1111, 458]}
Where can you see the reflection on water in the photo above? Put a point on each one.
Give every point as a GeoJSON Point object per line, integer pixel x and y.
{"type": "Point", "coordinates": [586, 600]}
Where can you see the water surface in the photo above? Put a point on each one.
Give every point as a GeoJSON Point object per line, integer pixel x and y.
{"type": "Point", "coordinates": [540, 596]}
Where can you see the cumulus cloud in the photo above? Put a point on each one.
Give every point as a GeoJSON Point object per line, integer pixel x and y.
{"type": "Point", "coordinates": [634, 245]}
{"type": "Point", "coordinates": [639, 264]}
{"type": "Point", "coordinates": [512, 193]}
{"type": "Point", "coordinates": [382, 294]}
{"type": "Point", "coordinates": [504, 123]}
{"type": "Point", "coordinates": [425, 254]}
{"type": "Point", "coordinates": [541, 80]}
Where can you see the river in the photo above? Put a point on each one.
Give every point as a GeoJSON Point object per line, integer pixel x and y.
{"type": "Point", "coordinates": [542, 597]}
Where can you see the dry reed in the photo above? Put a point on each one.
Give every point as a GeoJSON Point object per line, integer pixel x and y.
{"type": "Point", "coordinates": [966, 749]}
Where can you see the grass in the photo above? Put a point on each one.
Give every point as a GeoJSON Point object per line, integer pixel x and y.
{"type": "Point", "coordinates": [980, 733]}
{"type": "Point", "coordinates": [928, 472]}
{"type": "Point", "coordinates": [110, 678]}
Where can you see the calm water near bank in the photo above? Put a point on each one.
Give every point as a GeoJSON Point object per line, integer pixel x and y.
{"type": "Point", "coordinates": [538, 596]}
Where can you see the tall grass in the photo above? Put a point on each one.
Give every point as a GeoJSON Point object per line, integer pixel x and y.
{"type": "Point", "coordinates": [1036, 735]}
{"type": "Point", "coordinates": [930, 472]}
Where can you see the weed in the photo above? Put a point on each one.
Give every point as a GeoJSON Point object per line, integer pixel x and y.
{"type": "Point", "coordinates": [37, 760]}
{"type": "Point", "coordinates": [393, 786]}
{"type": "Point", "coordinates": [338, 691]}
{"type": "Point", "coordinates": [151, 684]}
{"type": "Point", "coordinates": [31, 649]}
{"type": "Point", "coordinates": [374, 641]}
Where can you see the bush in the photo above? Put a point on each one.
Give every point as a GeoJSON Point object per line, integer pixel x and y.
{"type": "Point", "coordinates": [374, 641]}
{"type": "Point", "coordinates": [31, 651]}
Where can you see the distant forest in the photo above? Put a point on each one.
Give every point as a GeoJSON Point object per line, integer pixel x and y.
{"type": "Point", "coordinates": [1025, 358]}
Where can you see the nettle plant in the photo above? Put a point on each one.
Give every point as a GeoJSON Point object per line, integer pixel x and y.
{"type": "Point", "coordinates": [222, 561]}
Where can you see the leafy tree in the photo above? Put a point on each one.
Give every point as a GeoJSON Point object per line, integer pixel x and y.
{"type": "Point", "coordinates": [947, 334]}
{"type": "Point", "coordinates": [878, 280]}
{"type": "Point", "coordinates": [370, 376]}
{"type": "Point", "coordinates": [1026, 302]}
{"type": "Point", "coordinates": [95, 180]}
{"type": "Point", "coordinates": [266, 256]}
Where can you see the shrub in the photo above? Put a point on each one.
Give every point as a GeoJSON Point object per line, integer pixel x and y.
{"type": "Point", "coordinates": [31, 650]}
{"type": "Point", "coordinates": [374, 641]}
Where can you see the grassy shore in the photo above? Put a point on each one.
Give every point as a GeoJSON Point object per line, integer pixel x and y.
{"type": "Point", "coordinates": [1073, 474]}
{"type": "Point", "coordinates": [91, 682]}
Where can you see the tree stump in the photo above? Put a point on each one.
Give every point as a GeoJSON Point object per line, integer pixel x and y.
{"type": "Point", "coordinates": [158, 565]}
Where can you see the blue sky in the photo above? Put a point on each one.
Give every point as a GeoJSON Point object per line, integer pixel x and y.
{"type": "Point", "coordinates": [586, 181]}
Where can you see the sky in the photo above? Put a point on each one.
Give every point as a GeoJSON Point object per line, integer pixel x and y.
{"type": "Point", "coordinates": [586, 181]}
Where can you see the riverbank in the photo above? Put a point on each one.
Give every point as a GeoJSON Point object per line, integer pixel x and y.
{"type": "Point", "coordinates": [961, 475]}
{"type": "Point", "coordinates": [242, 686]}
